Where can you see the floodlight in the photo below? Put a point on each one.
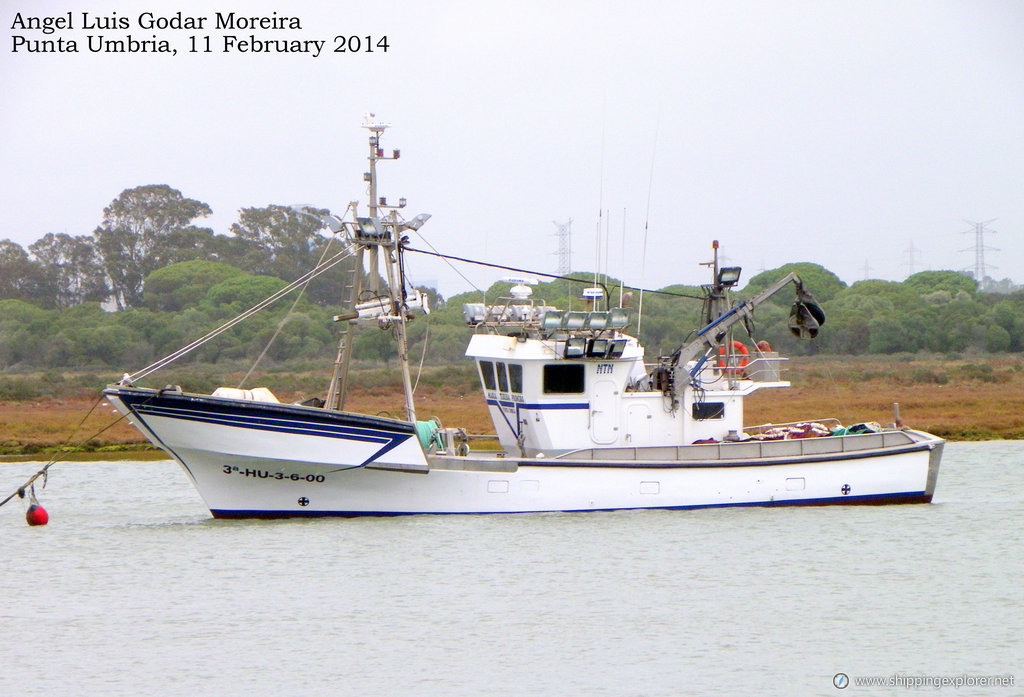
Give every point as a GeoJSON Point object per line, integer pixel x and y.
{"type": "Point", "coordinates": [474, 313]}
{"type": "Point", "coordinates": [417, 222]}
{"type": "Point", "coordinates": [618, 318]}
{"type": "Point", "coordinates": [574, 320]}
{"type": "Point", "coordinates": [597, 348]}
{"type": "Point", "coordinates": [596, 320]}
{"type": "Point", "coordinates": [575, 347]}
{"type": "Point", "coordinates": [551, 320]}
{"type": "Point", "coordinates": [370, 227]}
{"type": "Point", "coordinates": [729, 276]}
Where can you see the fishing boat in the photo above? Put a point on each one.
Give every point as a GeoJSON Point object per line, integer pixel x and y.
{"type": "Point", "coordinates": [583, 420]}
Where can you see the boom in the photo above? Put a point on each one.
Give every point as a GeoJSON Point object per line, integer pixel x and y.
{"type": "Point", "coordinates": [805, 318]}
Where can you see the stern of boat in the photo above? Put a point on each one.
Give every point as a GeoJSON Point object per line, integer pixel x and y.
{"type": "Point", "coordinates": [934, 457]}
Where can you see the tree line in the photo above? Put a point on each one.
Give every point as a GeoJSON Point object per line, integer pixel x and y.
{"type": "Point", "coordinates": [931, 312]}
{"type": "Point", "coordinates": [171, 281]}
{"type": "Point", "coordinates": [151, 227]}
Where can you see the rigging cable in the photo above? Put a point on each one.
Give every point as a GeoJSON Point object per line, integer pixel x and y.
{"type": "Point", "coordinates": [170, 358]}
{"type": "Point", "coordinates": [426, 334]}
{"type": "Point", "coordinates": [423, 355]}
{"type": "Point", "coordinates": [287, 316]}
{"type": "Point", "coordinates": [544, 274]}
{"type": "Point", "coordinates": [446, 260]}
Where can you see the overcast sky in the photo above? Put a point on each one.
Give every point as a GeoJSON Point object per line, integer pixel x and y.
{"type": "Point", "coordinates": [840, 133]}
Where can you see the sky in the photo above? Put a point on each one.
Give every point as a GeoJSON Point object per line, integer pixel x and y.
{"type": "Point", "coordinates": [865, 136]}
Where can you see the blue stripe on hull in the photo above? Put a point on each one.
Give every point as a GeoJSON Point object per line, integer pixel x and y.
{"type": "Point", "coordinates": [516, 431]}
{"type": "Point", "coordinates": [872, 500]}
{"type": "Point", "coordinates": [273, 424]}
{"type": "Point", "coordinates": [523, 405]}
{"type": "Point", "coordinates": [264, 416]}
{"type": "Point", "coordinates": [244, 409]}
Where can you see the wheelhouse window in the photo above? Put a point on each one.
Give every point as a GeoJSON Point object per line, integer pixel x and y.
{"type": "Point", "coordinates": [708, 410]}
{"type": "Point", "coordinates": [502, 377]}
{"type": "Point", "coordinates": [563, 378]}
{"type": "Point", "coordinates": [487, 373]}
{"type": "Point", "coordinates": [515, 377]}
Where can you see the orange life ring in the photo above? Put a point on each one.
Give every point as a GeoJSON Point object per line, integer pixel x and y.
{"type": "Point", "coordinates": [738, 349]}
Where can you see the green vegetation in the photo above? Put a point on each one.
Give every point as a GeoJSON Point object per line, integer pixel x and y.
{"type": "Point", "coordinates": [172, 281]}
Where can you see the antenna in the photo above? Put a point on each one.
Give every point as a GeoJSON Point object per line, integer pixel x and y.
{"type": "Point", "coordinates": [980, 271]}
{"type": "Point", "coordinates": [597, 247]}
{"type": "Point", "coordinates": [622, 259]}
{"type": "Point", "coordinates": [564, 235]}
{"type": "Point", "coordinates": [647, 219]}
{"type": "Point", "coordinates": [607, 242]}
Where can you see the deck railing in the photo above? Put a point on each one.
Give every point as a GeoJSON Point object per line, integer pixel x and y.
{"type": "Point", "coordinates": [765, 368]}
{"type": "Point", "coordinates": [750, 450]}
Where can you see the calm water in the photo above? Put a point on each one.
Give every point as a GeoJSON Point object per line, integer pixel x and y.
{"type": "Point", "coordinates": [132, 589]}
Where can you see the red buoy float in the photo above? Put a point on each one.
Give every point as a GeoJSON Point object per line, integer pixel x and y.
{"type": "Point", "coordinates": [36, 515]}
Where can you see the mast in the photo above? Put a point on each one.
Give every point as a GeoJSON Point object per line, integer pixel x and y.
{"type": "Point", "coordinates": [390, 312]}
{"type": "Point", "coordinates": [716, 303]}
{"type": "Point", "coordinates": [396, 289]}
{"type": "Point", "coordinates": [376, 153]}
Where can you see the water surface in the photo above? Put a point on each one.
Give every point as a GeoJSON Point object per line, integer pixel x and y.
{"type": "Point", "coordinates": [133, 589]}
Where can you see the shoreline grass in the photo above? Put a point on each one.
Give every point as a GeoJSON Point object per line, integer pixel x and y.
{"type": "Point", "coordinates": [955, 398]}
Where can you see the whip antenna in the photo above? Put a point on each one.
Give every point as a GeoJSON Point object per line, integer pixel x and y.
{"type": "Point", "coordinates": [647, 220]}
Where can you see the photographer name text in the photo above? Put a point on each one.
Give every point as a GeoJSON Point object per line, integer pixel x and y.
{"type": "Point", "coordinates": [149, 32]}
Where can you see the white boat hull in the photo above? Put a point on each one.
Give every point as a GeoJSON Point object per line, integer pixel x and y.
{"type": "Point", "coordinates": [276, 462]}
{"type": "Point", "coordinates": [882, 479]}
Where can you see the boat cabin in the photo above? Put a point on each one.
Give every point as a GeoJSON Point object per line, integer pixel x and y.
{"type": "Point", "coordinates": [557, 382]}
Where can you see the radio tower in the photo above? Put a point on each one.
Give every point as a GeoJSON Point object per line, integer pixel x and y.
{"type": "Point", "coordinates": [980, 270]}
{"type": "Point", "coordinates": [909, 253]}
{"type": "Point", "coordinates": [564, 247]}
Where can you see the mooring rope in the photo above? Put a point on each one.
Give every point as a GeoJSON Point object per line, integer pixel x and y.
{"type": "Point", "coordinates": [65, 452]}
